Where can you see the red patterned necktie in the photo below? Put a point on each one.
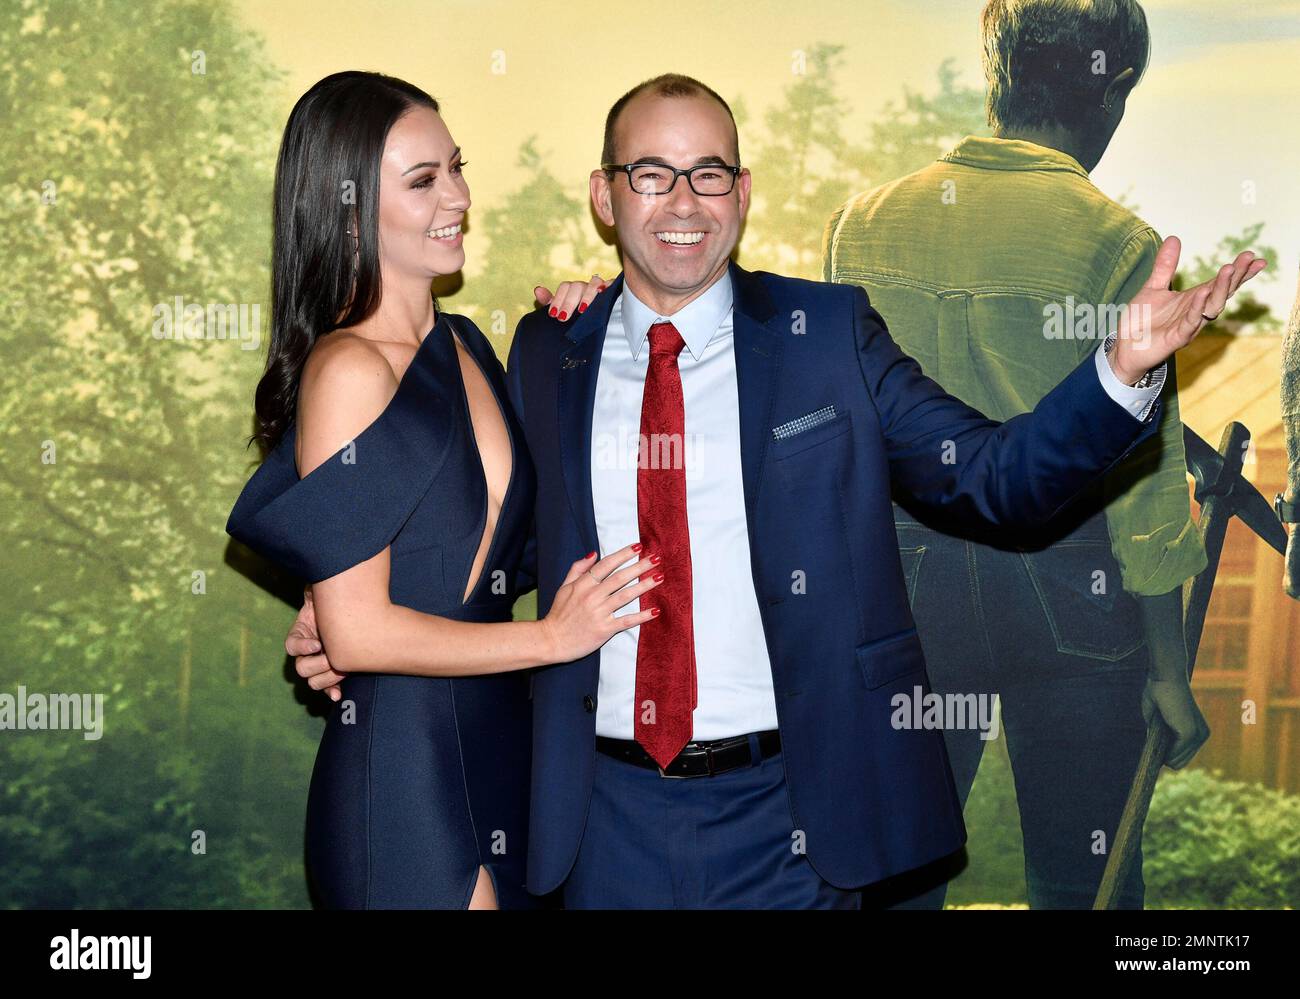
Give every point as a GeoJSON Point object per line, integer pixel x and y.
{"type": "Point", "coordinates": [665, 653]}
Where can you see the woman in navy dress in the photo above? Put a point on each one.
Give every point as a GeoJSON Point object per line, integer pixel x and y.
{"type": "Point", "coordinates": [396, 480]}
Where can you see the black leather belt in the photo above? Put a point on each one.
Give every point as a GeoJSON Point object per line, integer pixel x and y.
{"type": "Point", "coordinates": [697, 759]}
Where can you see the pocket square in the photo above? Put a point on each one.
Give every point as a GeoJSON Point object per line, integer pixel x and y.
{"type": "Point", "coordinates": [806, 422]}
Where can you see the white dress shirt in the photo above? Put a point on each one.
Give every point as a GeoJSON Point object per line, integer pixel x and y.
{"type": "Point", "coordinates": [733, 672]}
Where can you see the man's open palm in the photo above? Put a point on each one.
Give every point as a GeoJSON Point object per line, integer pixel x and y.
{"type": "Point", "coordinates": [1160, 321]}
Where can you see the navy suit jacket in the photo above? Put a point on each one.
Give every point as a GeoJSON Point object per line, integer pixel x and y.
{"type": "Point", "coordinates": [871, 800]}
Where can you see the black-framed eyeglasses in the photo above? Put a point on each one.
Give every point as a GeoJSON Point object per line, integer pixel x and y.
{"type": "Point", "coordinates": [707, 179]}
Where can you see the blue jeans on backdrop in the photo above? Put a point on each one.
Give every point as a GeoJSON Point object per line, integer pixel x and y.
{"type": "Point", "coordinates": [1053, 634]}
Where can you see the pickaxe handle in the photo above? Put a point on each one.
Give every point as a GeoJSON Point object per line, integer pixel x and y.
{"type": "Point", "coordinates": [1216, 511]}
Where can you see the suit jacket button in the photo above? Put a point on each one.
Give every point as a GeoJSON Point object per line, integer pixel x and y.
{"type": "Point", "coordinates": [588, 703]}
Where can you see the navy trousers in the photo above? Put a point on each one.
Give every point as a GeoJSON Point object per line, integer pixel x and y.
{"type": "Point", "coordinates": [722, 842]}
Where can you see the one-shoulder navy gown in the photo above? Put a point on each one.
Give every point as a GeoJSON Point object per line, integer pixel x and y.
{"type": "Point", "coordinates": [418, 780]}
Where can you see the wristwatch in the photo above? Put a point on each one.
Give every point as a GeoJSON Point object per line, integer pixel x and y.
{"type": "Point", "coordinates": [1143, 382]}
{"type": "Point", "coordinates": [1286, 512]}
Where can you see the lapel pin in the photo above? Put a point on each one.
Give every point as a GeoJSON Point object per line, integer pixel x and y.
{"type": "Point", "coordinates": [574, 362]}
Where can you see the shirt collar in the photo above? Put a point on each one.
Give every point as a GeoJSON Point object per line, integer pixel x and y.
{"type": "Point", "coordinates": [1011, 154]}
{"type": "Point", "coordinates": [697, 321]}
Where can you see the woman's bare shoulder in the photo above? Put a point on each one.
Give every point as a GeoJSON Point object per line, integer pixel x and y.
{"type": "Point", "coordinates": [347, 383]}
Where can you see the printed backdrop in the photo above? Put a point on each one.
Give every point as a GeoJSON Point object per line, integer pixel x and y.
{"type": "Point", "coordinates": [139, 146]}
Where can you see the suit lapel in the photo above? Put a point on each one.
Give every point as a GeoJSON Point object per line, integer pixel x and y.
{"type": "Point", "coordinates": [576, 394]}
{"type": "Point", "coordinates": [757, 347]}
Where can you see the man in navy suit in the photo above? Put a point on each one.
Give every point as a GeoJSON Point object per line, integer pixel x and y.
{"type": "Point", "coordinates": [753, 745]}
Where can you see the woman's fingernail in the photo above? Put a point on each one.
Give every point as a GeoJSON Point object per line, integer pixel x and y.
{"type": "Point", "coordinates": [656, 558]}
{"type": "Point", "coordinates": [600, 289]}
{"type": "Point", "coordinates": [552, 312]}
{"type": "Point", "coordinates": [589, 554]}
{"type": "Point", "coordinates": [564, 315]}
{"type": "Point", "coordinates": [658, 577]}
{"type": "Point", "coordinates": [582, 306]}
{"type": "Point", "coordinates": [636, 547]}
{"type": "Point", "coordinates": [313, 647]}
{"type": "Point", "coordinates": [654, 611]}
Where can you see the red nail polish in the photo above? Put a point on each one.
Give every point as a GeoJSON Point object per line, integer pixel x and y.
{"type": "Point", "coordinates": [658, 577]}
{"type": "Point", "coordinates": [564, 315]}
{"type": "Point", "coordinates": [636, 547]}
{"type": "Point", "coordinates": [656, 558]}
{"type": "Point", "coordinates": [654, 611]}
{"type": "Point", "coordinates": [600, 289]}
{"type": "Point", "coordinates": [582, 306]}
{"type": "Point", "coordinates": [552, 312]}
{"type": "Point", "coordinates": [589, 554]}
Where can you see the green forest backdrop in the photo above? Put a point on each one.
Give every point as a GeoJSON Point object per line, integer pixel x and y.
{"type": "Point", "coordinates": [134, 173]}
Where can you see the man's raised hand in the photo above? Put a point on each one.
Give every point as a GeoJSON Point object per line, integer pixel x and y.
{"type": "Point", "coordinates": [1160, 321]}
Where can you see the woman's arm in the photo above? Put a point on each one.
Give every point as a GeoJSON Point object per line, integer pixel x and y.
{"type": "Point", "coordinates": [346, 385]}
{"type": "Point", "coordinates": [362, 630]}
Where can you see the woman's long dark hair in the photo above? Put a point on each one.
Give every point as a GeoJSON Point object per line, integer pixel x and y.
{"type": "Point", "coordinates": [326, 176]}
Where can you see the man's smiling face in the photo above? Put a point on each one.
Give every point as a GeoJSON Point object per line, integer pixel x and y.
{"type": "Point", "coordinates": [674, 245]}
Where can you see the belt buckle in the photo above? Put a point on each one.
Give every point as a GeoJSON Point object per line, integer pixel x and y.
{"type": "Point", "coordinates": [708, 758]}
{"type": "Point", "coordinates": [668, 776]}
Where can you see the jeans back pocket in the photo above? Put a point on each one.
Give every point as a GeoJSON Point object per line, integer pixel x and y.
{"type": "Point", "coordinates": [1078, 585]}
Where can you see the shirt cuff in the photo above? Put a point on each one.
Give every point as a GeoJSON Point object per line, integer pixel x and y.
{"type": "Point", "coordinates": [1138, 401]}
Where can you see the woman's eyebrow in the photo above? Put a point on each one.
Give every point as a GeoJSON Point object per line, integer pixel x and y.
{"type": "Point", "coordinates": [430, 163]}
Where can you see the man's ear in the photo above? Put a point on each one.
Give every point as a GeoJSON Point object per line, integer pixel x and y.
{"type": "Point", "coordinates": [743, 184]}
{"type": "Point", "coordinates": [1118, 89]}
{"type": "Point", "coordinates": [602, 197]}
